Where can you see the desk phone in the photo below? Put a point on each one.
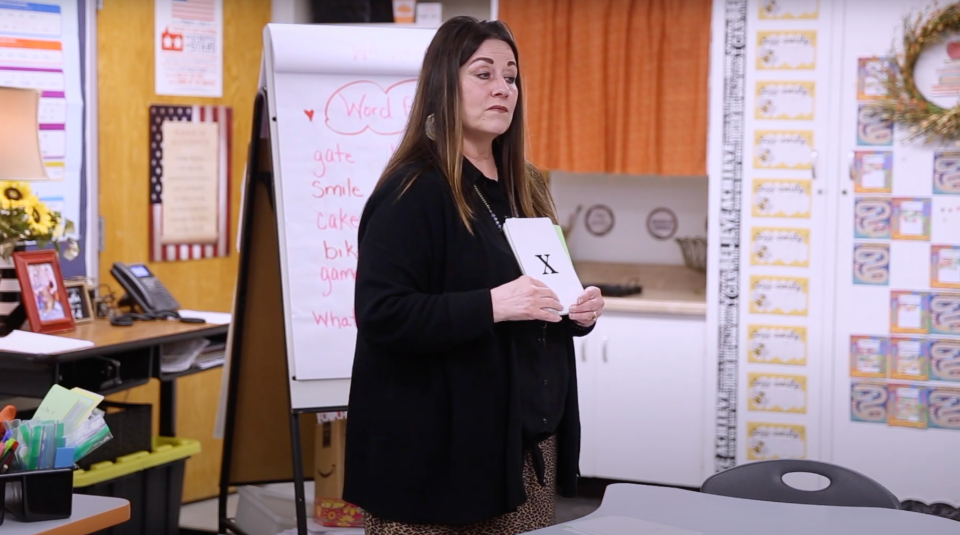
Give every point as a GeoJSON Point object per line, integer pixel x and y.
{"type": "Point", "coordinates": [144, 288]}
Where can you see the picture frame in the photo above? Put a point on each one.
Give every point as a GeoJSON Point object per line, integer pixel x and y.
{"type": "Point", "coordinates": [78, 296]}
{"type": "Point", "coordinates": [42, 291]}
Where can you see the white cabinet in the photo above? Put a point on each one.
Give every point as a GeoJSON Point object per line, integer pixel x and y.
{"type": "Point", "coordinates": [640, 379]}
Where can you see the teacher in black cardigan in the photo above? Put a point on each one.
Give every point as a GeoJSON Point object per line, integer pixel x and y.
{"type": "Point", "coordinates": [463, 414]}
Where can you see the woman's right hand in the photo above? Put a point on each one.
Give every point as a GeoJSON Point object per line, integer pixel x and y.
{"type": "Point", "coordinates": [525, 299]}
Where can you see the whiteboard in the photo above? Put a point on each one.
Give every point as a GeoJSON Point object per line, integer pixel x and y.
{"type": "Point", "coordinates": [338, 100]}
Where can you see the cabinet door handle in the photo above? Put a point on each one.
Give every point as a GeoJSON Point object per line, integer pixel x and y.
{"type": "Point", "coordinates": [604, 354]}
{"type": "Point", "coordinates": [583, 350]}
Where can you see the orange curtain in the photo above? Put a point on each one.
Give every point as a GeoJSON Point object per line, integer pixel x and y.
{"type": "Point", "coordinates": [614, 86]}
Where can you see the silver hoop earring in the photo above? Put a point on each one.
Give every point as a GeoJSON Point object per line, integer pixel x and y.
{"type": "Point", "coordinates": [431, 127]}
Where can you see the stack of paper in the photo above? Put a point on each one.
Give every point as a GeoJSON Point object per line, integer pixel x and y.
{"type": "Point", "coordinates": [542, 255]}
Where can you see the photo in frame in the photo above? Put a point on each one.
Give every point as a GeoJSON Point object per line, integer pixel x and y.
{"type": "Point", "coordinates": [43, 294]}
{"type": "Point", "coordinates": [79, 298]}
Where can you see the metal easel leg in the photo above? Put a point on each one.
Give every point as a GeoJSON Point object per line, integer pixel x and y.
{"type": "Point", "coordinates": [298, 473]}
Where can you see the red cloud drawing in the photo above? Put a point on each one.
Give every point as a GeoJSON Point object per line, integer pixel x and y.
{"type": "Point", "coordinates": [364, 105]}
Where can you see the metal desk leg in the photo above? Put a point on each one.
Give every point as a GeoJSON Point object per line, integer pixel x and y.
{"type": "Point", "coordinates": [168, 408]}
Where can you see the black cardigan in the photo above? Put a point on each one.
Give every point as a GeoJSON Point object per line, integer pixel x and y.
{"type": "Point", "coordinates": [434, 427]}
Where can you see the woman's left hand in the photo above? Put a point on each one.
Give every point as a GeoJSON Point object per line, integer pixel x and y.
{"type": "Point", "coordinates": [588, 308]}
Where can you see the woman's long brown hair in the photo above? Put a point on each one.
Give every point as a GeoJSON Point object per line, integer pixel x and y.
{"type": "Point", "coordinates": [438, 94]}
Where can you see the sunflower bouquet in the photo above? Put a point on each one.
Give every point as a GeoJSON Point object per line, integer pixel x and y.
{"type": "Point", "coordinates": [25, 218]}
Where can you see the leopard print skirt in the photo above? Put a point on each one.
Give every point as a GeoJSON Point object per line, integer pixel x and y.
{"type": "Point", "coordinates": [537, 512]}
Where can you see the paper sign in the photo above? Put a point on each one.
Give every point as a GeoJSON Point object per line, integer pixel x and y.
{"type": "Point", "coordinates": [542, 255]}
{"type": "Point", "coordinates": [872, 218]}
{"type": "Point", "coordinates": [871, 263]}
{"type": "Point", "coordinates": [909, 312]}
{"type": "Point", "coordinates": [774, 344]}
{"type": "Point", "coordinates": [777, 393]}
{"type": "Point", "coordinates": [191, 180]}
{"type": "Point", "coordinates": [789, 9]}
{"type": "Point", "coordinates": [872, 75]}
{"type": "Point", "coordinates": [785, 100]}
{"type": "Point", "coordinates": [873, 126]}
{"type": "Point", "coordinates": [868, 402]}
{"type": "Point", "coordinates": [780, 247]}
{"type": "Point", "coordinates": [946, 173]}
{"type": "Point", "coordinates": [776, 441]}
{"type": "Point", "coordinates": [945, 360]}
{"type": "Point", "coordinates": [781, 198]}
{"type": "Point", "coordinates": [907, 406]}
{"type": "Point", "coordinates": [873, 172]}
{"type": "Point", "coordinates": [786, 50]}
{"type": "Point", "coordinates": [909, 359]}
{"type": "Point", "coordinates": [868, 356]}
{"type": "Point", "coordinates": [945, 266]}
{"type": "Point", "coordinates": [779, 295]}
{"type": "Point", "coordinates": [911, 219]}
{"type": "Point", "coordinates": [783, 149]}
{"type": "Point", "coordinates": [945, 313]}
{"type": "Point", "coordinates": [188, 47]}
{"type": "Point", "coordinates": [944, 412]}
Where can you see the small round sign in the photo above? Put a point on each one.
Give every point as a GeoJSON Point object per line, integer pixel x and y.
{"type": "Point", "coordinates": [599, 220]}
{"type": "Point", "coordinates": [662, 223]}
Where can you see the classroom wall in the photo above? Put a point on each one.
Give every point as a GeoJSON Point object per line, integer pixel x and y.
{"type": "Point", "coordinates": [126, 91]}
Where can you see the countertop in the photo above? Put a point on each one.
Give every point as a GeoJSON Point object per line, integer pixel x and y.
{"type": "Point", "coordinates": [666, 289]}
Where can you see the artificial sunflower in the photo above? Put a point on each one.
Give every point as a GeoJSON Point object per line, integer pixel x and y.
{"type": "Point", "coordinates": [15, 195]}
{"type": "Point", "coordinates": [39, 219]}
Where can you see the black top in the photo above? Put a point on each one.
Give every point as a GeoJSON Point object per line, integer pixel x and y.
{"type": "Point", "coordinates": [443, 401]}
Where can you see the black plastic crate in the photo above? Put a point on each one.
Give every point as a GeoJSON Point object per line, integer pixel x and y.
{"type": "Point", "coordinates": [155, 496]}
{"type": "Point", "coordinates": [37, 495]}
{"type": "Point", "coordinates": [129, 424]}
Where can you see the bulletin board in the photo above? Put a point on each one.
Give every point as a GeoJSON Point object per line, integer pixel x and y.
{"type": "Point", "coordinates": [52, 36]}
{"type": "Point", "coordinates": [897, 345]}
{"type": "Point", "coordinates": [834, 260]}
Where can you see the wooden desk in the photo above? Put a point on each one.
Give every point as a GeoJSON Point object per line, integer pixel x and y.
{"type": "Point", "coordinates": [133, 352]}
{"type": "Point", "coordinates": [90, 514]}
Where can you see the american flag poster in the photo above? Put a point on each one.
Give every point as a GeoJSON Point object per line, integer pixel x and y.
{"type": "Point", "coordinates": [188, 47]}
{"type": "Point", "coordinates": [222, 117]}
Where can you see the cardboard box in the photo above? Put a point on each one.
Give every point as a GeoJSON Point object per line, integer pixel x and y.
{"type": "Point", "coordinates": [329, 509]}
{"type": "Point", "coordinates": [331, 439]}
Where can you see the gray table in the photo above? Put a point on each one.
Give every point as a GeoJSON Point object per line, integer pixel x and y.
{"type": "Point", "coordinates": [89, 515]}
{"type": "Point", "coordinates": [691, 512]}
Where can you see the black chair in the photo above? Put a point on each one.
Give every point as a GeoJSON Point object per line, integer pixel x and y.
{"type": "Point", "coordinates": [763, 481]}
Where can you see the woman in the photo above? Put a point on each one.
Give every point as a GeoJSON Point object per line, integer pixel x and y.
{"type": "Point", "coordinates": [463, 402]}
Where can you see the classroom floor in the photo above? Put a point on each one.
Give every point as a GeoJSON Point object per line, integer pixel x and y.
{"type": "Point", "coordinates": [202, 516]}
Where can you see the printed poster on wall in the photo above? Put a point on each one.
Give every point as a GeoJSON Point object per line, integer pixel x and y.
{"type": "Point", "coordinates": [776, 344]}
{"type": "Point", "coordinates": [777, 393]}
{"type": "Point", "coordinates": [776, 441]}
{"type": "Point", "coordinates": [786, 50]}
{"type": "Point", "coordinates": [780, 247]}
{"type": "Point", "coordinates": [781, 198]}
{"type": "Point", "coordinates": [779, 295]}
{"type": "Point", "coordinates": [789, 9]}
{"type": "Point", "coordinates": [40, 50]}
{"type": "Point", "coordinates": [783, 149]}
{"type": "Point", "coordinates": [188, 47]}
{"type": "Point", "coordinates": [785, 100]}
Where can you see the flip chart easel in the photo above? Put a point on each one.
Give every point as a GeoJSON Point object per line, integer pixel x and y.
{"type": "Point", "coordinates": [331, 105]}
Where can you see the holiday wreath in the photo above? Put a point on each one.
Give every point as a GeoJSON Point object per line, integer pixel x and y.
{"type": "Point", "coordinates": [907, 106]}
